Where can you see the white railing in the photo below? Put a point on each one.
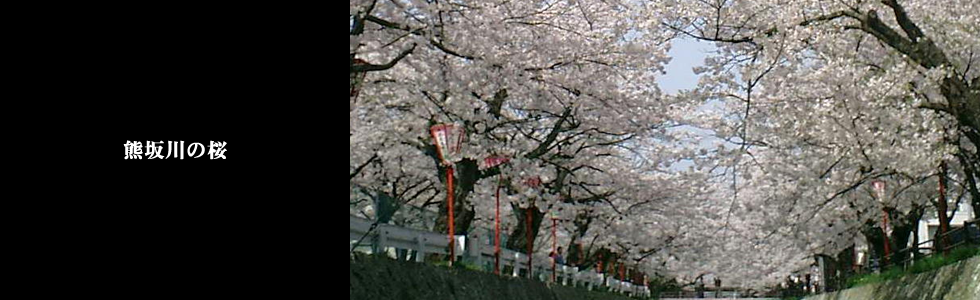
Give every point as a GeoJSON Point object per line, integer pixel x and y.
{"type": "Point", "coordinates": [394, 237]}
{"type": "Point", "coordinates": [390, 239]}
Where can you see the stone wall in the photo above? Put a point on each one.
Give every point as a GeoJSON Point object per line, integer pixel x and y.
{"type": "Point", "coordinates": [955, 282]}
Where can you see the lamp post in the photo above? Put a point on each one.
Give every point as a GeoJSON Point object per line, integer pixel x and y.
{"type": "Point", "coordinates": [622, 271]}
{"type": "Point", "coordinates": [491, 162]}
{"type": "Point", "coordinates": [554, 246]}
{"type": "Point", "coordinates": [534, 183]}
{"type": "Point", "coordinates": [880, 188]}
{"type": "Point", "coordinates": [496, 229]}
{"type": "Point", "coordinates": [448, 140]}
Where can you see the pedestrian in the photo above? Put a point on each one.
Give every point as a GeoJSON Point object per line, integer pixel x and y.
{"type": "Point", "coordinates": [557, 256]}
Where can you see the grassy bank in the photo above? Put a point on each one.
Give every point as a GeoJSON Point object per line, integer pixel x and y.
{"type": "Point", "coordinates": [919, 267]}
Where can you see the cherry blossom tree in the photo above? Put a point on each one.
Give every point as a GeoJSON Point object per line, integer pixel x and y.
{"type": "Point", "coordinates": [821, 98]}
{"type": "Point", "coordinates": [559, 87]}
{"type": "Point", "coordinates": [804, 105]}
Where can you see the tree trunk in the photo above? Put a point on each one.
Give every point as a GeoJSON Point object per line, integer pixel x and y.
{"type": "Point", "coordinates": [578, 254]}
{"type": "Point", "coordinates": [353, 78]}
{"type": "Point", "coordinates": [520, 236]}
{"type": "Point", "coordinates": [902, 226]}
{"type": "Point", "coordinates": [976, 206]}
{"type": "Point", "coordinates": [875, 237]}
{"type": "Point", "coordinates": [942, 209]}
{"type": "Point", "coordinates": [972, 175]}
{"type": "Point", "coordinates": [845, 267]}
{"type": "Point", "coordinates": [830, 270]}
{"type": "Point", "coordinates": [467, 175]}
{"type": "Point", "coordinates": [964, 104]}
{"type": "Point", "coordinates": [915, 243]}
{"type": "Point", "coordinates": [352, 63]}
{"type": "Point", "coordinates": [900, 242]}
{"type": "Point", "coordinates": [897, 241]}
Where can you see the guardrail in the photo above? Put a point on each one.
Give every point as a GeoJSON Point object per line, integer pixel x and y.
{"type": "Point", "coordinates": [708, 295]}
{"type": "Point", "coordinates": [963, 237]}
{"type": "Point", "coordinates": [969, 234]}
{"type": "Point", "coordinates": [404, 243]}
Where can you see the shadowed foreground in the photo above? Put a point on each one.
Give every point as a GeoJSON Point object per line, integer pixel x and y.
{"type": "Point", "coordinates": [378, 278]}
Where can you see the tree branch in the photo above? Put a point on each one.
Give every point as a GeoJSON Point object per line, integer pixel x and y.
{"type": "Point", "coordinates": [361, 167]}
{"type": "Point", "coordinates": [352, 55]}
{"type": "Point", "coordinates": [360, 68]}
{"type": "Point", "coordinates": [911, 29]}
{"type": "Point", "coordinates": [438, 44]}
{"type": "Point", "coordinates": [552, 136]}
{"type": "Point", "coordinates": [922, 51]}
{"type": "Point", "coordinates": [832, 167]}
{"type": "Point", "coordinates": [829, 17]}
{"type": "Point", "coordinates": [359, 21]}
{"type": "Point", "coordinates": [936, 107]}
{"type": "Point", "coordinates": [389, 24]}
{"type": "Point", "coordinates": [971, 182]}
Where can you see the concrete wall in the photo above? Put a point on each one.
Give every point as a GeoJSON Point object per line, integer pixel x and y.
{"type": "Point", "coordinates": [383, 279]}
{"type": "Point", "coordinates": [955, 282]}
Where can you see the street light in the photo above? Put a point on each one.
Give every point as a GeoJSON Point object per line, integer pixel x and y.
{"type": "Point", "coordinates": [880, 189]}
{"type": "Point", "coordinates": [554, 246]}
{"type": "Point", "coordinates": [534, 183]}
{"type": "Point", "coordinates": [491, 162]}
{"type": "Point", "coordinates": [448, 139]}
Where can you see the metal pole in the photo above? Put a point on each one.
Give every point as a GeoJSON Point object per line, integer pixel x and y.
{"type": "Point", "coordinates": [880, 189]}
{"type": "Point", "coordinates": [530, 244]}
{"type": "Point", "coordinates": [554, 249]}
{"type": "Point", "coordinates": [496, 251]}
{"type": "Point", "coordinates": [884, 232]}
{"type": "Point", "coordinates": [452, 216]}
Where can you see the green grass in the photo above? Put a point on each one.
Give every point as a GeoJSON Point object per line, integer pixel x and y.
{"type": "Point", "coordinates": [459, 265]}
{"type": "Point", "coordinates": [890, 274]}
{"type": "Point", "coordinates": [919, 267]}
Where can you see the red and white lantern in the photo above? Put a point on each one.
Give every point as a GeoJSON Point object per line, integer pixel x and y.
{"type": "Point", "coordinates": [880, 189]}
{"type": "Point", "coordinates": [493, 161]}
{"type": "Point", "coordinates": [448, 139]}
{"type": "Point", "coordinates": [533, 182]}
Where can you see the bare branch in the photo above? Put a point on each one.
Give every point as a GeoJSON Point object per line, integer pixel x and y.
{"type": "Point", "coordinates": [911, 29]}
{"type": "Point", "coordinates": [361, 167]}
{"type": "Point", "coordinates": [439, 45]}
{"type": "Point", "coordinates": [359, 21]}
{"type": "Point", "coordinates": [360, 68]}
{"type": "Point", "coordinates": [545, 146]}
{"type": "Point", "coordinates": [935, 106]}
{"type": "Point", "coordinates": [419, 32]}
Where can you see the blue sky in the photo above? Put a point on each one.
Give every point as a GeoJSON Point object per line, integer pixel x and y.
{"type": "Point", "coordinates": [687, 54]}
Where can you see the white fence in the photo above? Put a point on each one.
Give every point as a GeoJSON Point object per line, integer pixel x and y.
{"type": "Point", "coordinates": [708, 295]}
{"type": "Point", "coordinates": [403, 243]}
